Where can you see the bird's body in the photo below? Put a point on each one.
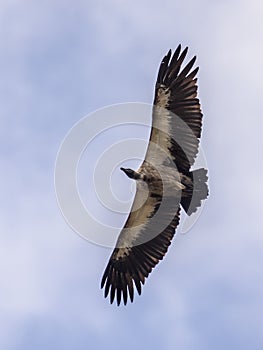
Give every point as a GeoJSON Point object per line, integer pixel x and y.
{"type": "Point", "coordinates": [148, 177]}
{"type": "Point", "coordinates": [164, 182]}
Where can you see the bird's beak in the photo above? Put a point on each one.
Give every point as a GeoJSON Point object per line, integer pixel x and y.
{"type": "Point", "coordinates": [124, 170]}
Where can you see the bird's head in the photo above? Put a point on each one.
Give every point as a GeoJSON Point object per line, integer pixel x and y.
{"type": "Point", "coordinates": [129, 172]}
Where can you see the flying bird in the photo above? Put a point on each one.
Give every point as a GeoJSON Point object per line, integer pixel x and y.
{"type": "Point", "coordinates": [165, 182]}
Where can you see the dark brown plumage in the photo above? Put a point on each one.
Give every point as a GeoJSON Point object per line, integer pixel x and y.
{"type": "Point", "coordinates": [167, 180]}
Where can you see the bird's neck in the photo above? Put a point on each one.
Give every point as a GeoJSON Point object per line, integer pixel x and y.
{"type": "Point", "coordinates": [136, 176]}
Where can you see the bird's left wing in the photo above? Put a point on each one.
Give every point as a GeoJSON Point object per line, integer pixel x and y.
{"type": "Point", "coordinates": [177, 116]}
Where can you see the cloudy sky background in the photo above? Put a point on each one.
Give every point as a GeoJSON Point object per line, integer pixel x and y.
{"type": "Point", "coordinates": [62, 60]}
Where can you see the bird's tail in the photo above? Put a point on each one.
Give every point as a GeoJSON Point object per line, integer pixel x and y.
{"type": "Point", "coordinates": [195, 191]}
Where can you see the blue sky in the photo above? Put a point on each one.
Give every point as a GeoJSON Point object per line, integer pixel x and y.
{"type": "Point", "coordinates": [62, 60]}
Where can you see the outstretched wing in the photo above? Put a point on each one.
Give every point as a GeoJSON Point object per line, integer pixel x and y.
{"type": "Point", "coordinates": [148, 231]}
{"type": "Point", "coordinates": [142, 243]}
{"type": "Point", "coordinates": [177, 117]}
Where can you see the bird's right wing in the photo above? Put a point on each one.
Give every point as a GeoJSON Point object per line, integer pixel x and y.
{"type": "Point", "coordinates": [142, 243]}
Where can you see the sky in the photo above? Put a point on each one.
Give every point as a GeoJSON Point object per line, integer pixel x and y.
{"type": "Point", "coordinates": [61, 61]}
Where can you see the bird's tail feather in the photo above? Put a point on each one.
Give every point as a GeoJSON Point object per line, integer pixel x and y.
{"type": "Point", "coordinates": [195, 192]}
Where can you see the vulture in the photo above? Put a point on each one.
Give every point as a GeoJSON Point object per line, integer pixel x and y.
{"type": "Point", "coordinates": [165, 182]}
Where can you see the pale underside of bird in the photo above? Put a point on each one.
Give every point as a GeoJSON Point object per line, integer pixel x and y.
{"type": "Point", "coordinates": [164, 181]}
